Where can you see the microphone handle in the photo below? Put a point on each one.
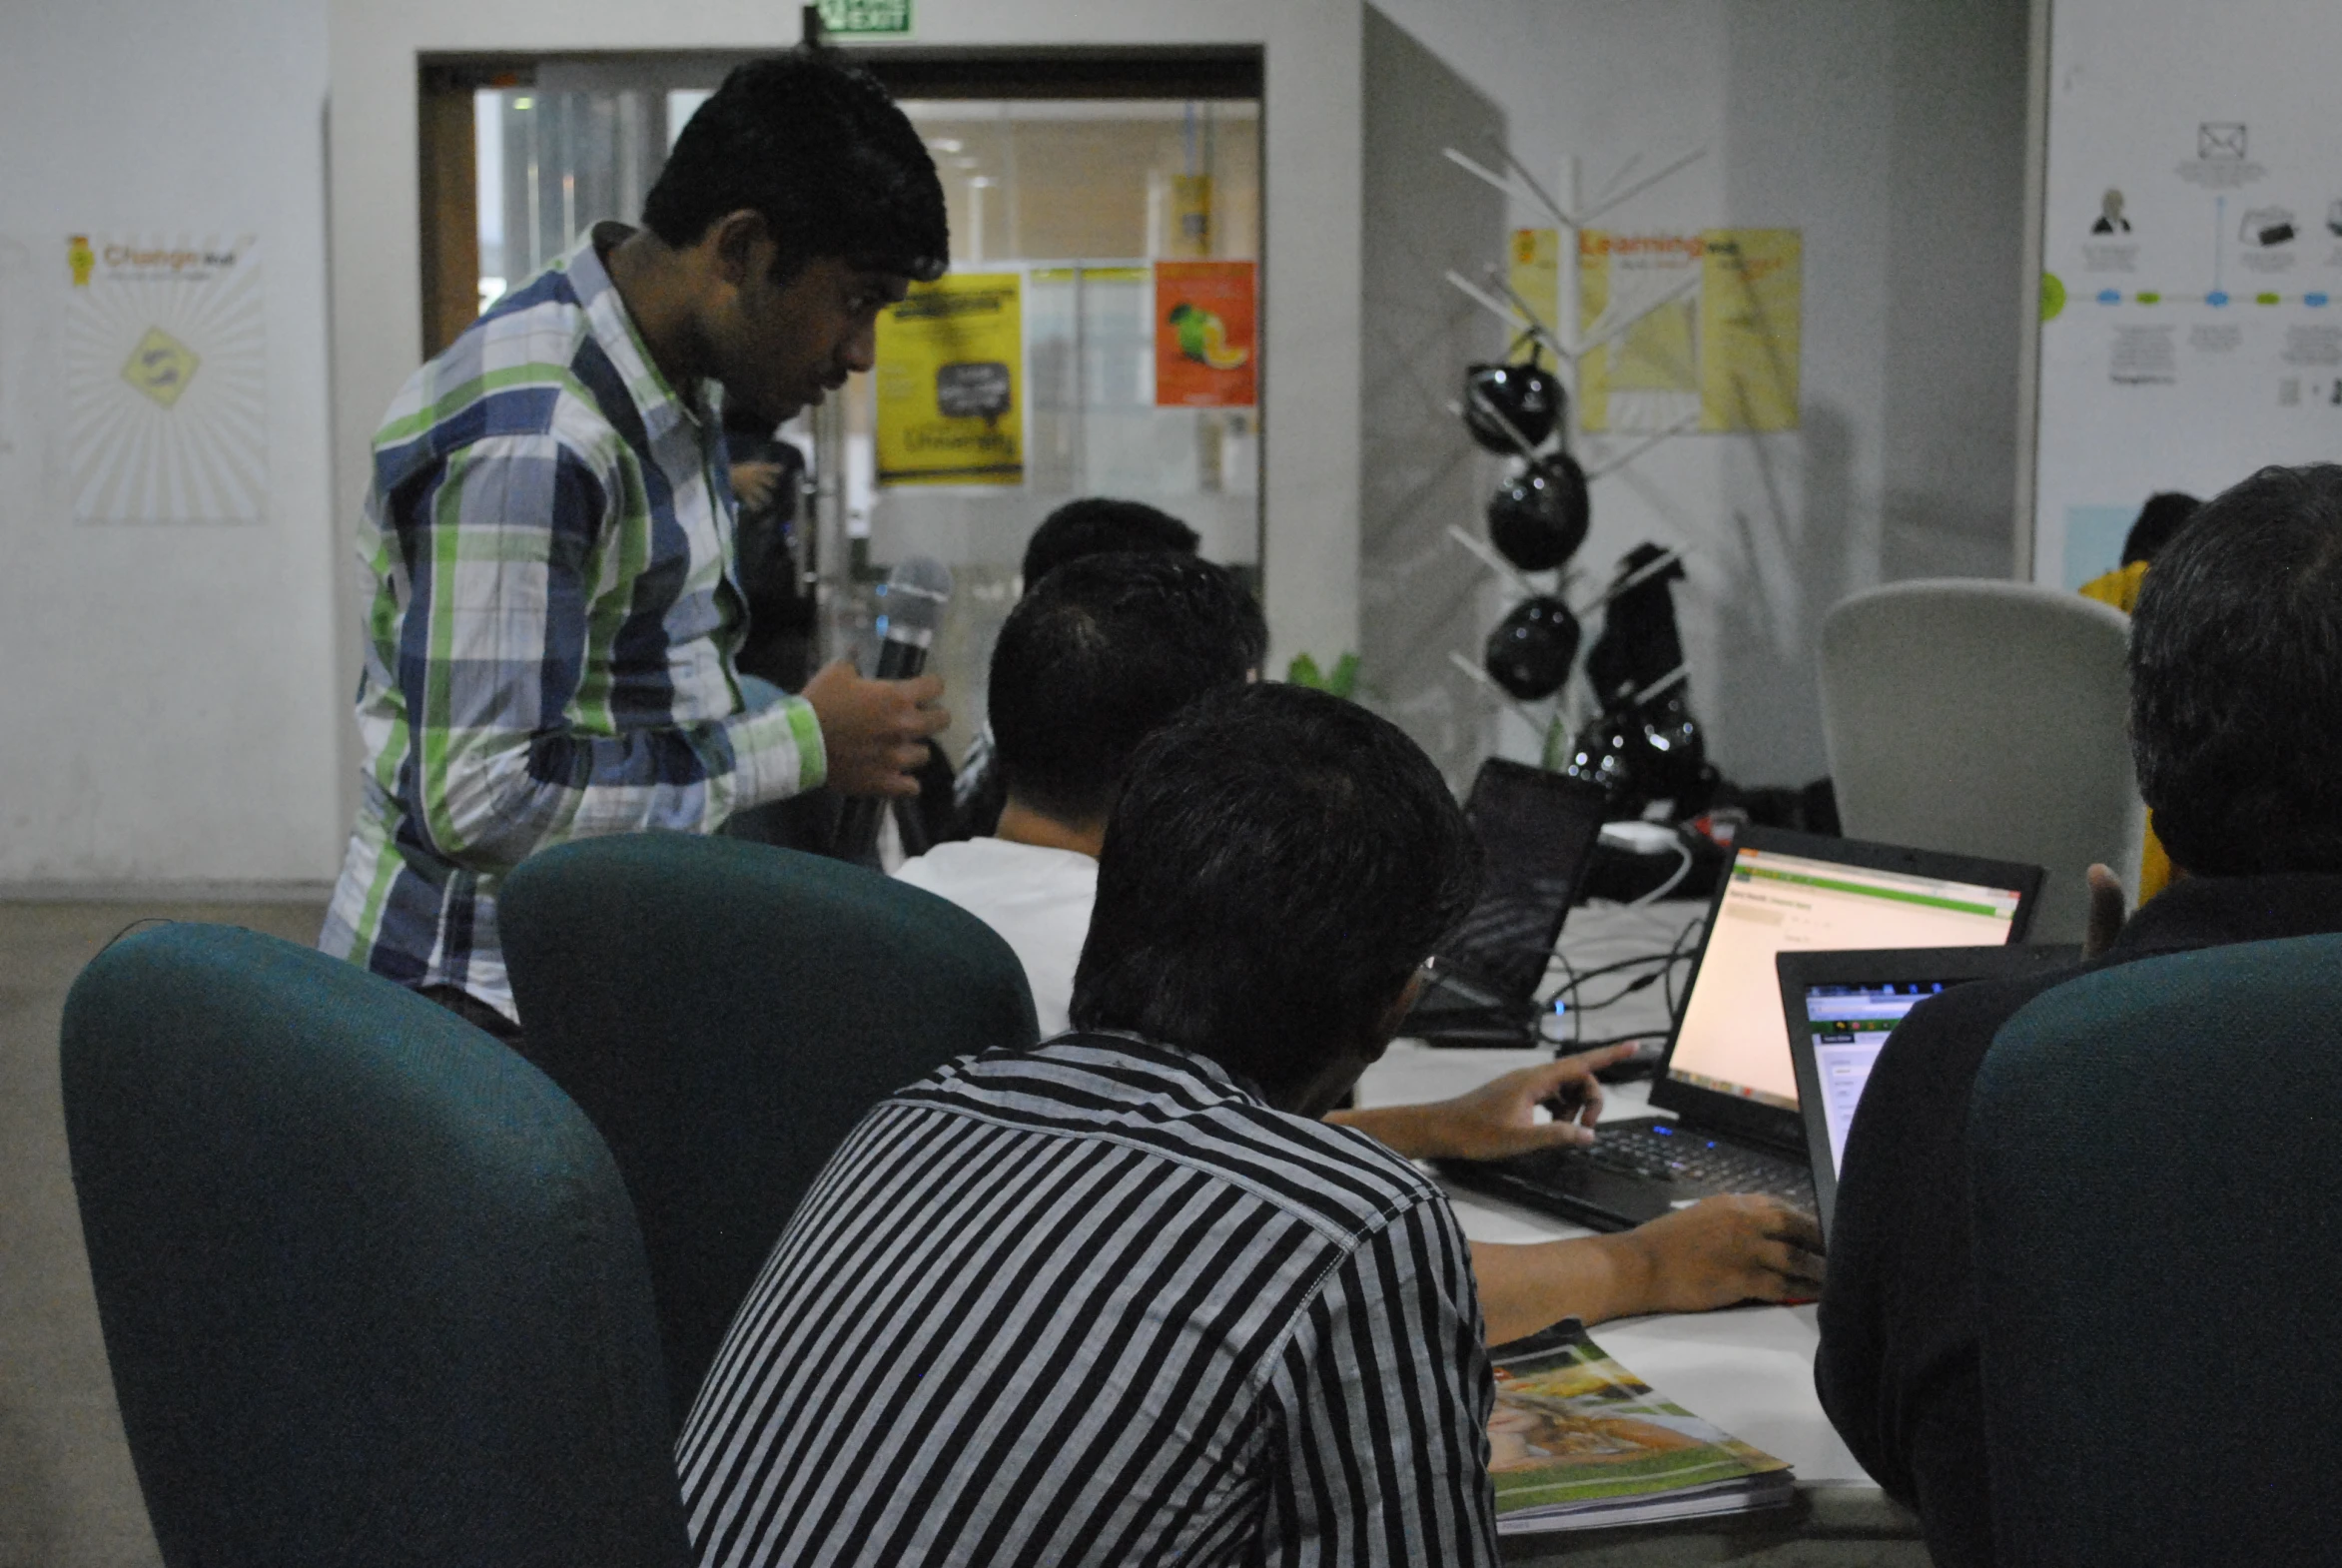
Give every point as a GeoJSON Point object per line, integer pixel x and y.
{"type": "Point", "coordinates": [856, 837]}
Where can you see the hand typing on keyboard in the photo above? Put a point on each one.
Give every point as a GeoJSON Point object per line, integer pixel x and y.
{"type": "Point", "coordinates": [1499, 1119]}
{"type": "Point", "coordinates": [1738, 1246]}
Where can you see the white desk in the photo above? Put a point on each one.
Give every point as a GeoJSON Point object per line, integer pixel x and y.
{"type": "Point", "coordinates": [1750, 1369]}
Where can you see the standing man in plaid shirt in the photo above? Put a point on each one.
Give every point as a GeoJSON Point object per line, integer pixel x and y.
{"type": "Point", "coordinates": [549, 530]}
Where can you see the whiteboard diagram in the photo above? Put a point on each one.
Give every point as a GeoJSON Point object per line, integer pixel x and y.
{"type": "Point", "coordinates": [165, 390]}
{"type": "Point", "coordinates": [2191, 262]}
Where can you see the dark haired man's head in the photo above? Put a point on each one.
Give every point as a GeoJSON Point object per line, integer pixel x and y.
{"type": "Point", "coordinates": [2236, 679]}
{"type": "Point", "coordinates": [810, 203]}
{"type": "Point", "coordinates": [1102, 651]}
{"type": "Point", "coordinates": [1100, 525]}
{"type": "Point", "coordinates": [1279, 863]}
{"type": "Point", "coordinates": [2163, 515]}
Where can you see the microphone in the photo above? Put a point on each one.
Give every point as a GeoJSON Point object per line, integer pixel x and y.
{"type": "Point", "coordinates": [911, 608]}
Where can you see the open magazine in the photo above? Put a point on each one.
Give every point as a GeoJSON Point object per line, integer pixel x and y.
{"type": "Point", "coordinates": [1579, 1441]}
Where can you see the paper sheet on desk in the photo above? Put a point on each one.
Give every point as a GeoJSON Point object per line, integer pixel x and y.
{"type": "Point", "coordinates": [1577, 1441]}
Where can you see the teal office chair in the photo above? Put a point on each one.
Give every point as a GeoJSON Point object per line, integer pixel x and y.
{"type": "Point", "coordinates": [726, 1011]}
{"type": "Point", "coordinates": [371, 1287]}
{"type": "Point", "coordinates": [2156, 1172]}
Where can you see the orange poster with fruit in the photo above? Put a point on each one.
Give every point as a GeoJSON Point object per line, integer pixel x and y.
{"type": "Point", "coordinates": [1206, 336]}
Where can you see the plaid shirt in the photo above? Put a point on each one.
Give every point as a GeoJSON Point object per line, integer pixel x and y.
{"type": "Point", "coordinates": [549, 653]}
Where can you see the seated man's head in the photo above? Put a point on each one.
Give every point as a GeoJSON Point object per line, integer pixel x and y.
{"type": "Point", "coordinates": [802, 202]}
{"type": "Point", "coordinates": [1101, 652]}
{"type": "Point", "coordinates": [2236, 679]}
{"type": "Point", "coordinates": [1101, 525]}
{"type": "Point", "coordinates": [1278, 866]}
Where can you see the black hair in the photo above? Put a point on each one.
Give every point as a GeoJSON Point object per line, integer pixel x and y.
{"type": "Point", "coordinates": [2163, 515]}
{"type": "Point", "coordinates": [1107, 648]}
{"type": "Point", "coordinates": [2236, 679]}
{"type": "Point", "coordinates": [817, 147]}
{"type": "Point", "coordinates": [1098, 524]}
{"type": "Point", "coordinates": [1279, 863]}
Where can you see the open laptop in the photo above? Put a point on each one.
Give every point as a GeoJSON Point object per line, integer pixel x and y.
{"type": "Point", "coordinates": [1841, 1007]}
{"type": "Point", "coordinates": [1537, 830]}
{"type": "Point", "coordinates": [1726, 1083]}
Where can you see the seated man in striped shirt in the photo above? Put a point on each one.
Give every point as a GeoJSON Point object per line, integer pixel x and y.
{"type": "Point", "coordinates": [1095, 658]}
{"type": "Point", "coordinates": [1122, 1297]}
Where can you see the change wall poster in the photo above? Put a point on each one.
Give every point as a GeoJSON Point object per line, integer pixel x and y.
{"type": "Point", "coordinates": [166, 392]}
{"type": "Point", "coordinates": [1207, 343]}
{"type": "Point", "coordinates": [950, 360]}
{"type": "Point", "coordinates": [1697, 326]}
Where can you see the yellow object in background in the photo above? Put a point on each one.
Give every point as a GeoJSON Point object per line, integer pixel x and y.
{"type": "Point", "coordinates": [1750, 327]}
{"type": "Point", "coordinates": [951, 357]}
{"type": "Point", "coordinates": [1536, 278]}
{"type": "Point", "coordinates": [2118, 587]}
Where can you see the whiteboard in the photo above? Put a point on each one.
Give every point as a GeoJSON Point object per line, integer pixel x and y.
{"type": "Point", "coordinates": [2191, 257]}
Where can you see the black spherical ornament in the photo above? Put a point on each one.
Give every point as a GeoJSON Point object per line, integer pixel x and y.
{"type": "Point", "coordinates": [1505, 401]}
{"type": "Point", "coordinates": [1539, 519]}
{"type": "Point", "coordinates": [1531, 650]}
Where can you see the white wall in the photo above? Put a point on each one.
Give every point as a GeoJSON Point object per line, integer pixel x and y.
{"type": "Point", "coordinates": [1892, 132]}
{"type": "Point", "coordinates": [170, 711]}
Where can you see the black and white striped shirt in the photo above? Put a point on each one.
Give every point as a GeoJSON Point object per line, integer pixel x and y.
{"type": "Point", "coordinates": [1095, 1303]}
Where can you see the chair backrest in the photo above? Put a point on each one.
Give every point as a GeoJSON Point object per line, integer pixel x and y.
{"type": "Point", "coordinates": [1987, 718]}
{"type": "Point", "coordinates": [371, 1287]}
{"type": "Point", "coordinates": [2159, 1260]}
{"type": "Point", "coordinates": [726, 1011]}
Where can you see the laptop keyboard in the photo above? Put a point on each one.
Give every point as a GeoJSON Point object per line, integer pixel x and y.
{"type": "Point", "coordinates": [1685, 1157]}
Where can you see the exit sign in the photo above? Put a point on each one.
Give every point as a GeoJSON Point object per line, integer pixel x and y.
{"type": "Point", "coordinates": [866, 18]}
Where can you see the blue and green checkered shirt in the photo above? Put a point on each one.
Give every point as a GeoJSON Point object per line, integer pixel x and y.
{"type": "Point", "coordinates": [549, 542]}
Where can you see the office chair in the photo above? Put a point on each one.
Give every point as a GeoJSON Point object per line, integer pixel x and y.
{"type": "Point", "coordinates": [2159, 1261]}
{"type": "Point", "coordinates": [1987, 718]}
{"type": "Point", "coordinates": [726, 1011]}
{"type": "Point", "coordinates": [371, 1287]}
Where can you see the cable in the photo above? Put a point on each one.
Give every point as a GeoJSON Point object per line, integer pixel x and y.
{"type": "Point", "coordinates": [1683, 869]}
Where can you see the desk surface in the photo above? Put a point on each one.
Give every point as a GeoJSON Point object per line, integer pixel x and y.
{"type": "Point", "coordinates": [1749, 1369]}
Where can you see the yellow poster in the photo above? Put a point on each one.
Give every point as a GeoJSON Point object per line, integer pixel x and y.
{"type": "Point", "coordinates": [1677, 328]}
{"type": "Point", "coordinates": [1536, 282]}
{"type": "Point", "coordinates": [949, 358]}
{"type": "Point", "coordinates": [1750, 323]}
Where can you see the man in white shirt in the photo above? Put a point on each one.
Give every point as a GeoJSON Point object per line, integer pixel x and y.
{"type": "Point", "coordinates": [1098, 656]}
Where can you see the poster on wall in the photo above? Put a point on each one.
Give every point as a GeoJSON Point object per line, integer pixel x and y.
{"type": "Point", "coordinates": [1698, 330]}
{"type": "Point", "coordinates": [2191, 255]}
{"type": "Point", "coordinates": [166, 390]}
{"type": "Point", "coordinates": [1206, 334]}
{"type": "Point", "coordinates": [950, 362]}
{"type": "Point", "coordinates": [1534, 274]}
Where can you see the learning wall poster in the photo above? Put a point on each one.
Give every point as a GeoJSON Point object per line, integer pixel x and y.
{"type": "Point", "coordinates": [950, 363]}
{"type": "Point", "coordinates": [165, 390]}
{"type": "Point", "coordinates": [1703, 329]}
{"type": "Point", "coordinates": [1206, 334]}
{"type": "Point", "coordinates": [1535, 276]}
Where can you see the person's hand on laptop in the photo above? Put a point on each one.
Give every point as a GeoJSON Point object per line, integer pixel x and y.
{"type": "Point", "coordinates": [1737, 1247]}
{"type": "Point", "coordinates": [1499, 1119]}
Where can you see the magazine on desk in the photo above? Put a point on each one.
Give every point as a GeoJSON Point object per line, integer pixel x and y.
{"type": "Point", "coordinates": [1578, 1441]}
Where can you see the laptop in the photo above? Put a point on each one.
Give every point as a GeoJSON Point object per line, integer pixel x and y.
{"type": "Point", "coordinates": [1841, 1008]}
{"type": "Point", "coordinates": [1537, 830]}
{"type": "Point", "coordinates": [1726, 1087]}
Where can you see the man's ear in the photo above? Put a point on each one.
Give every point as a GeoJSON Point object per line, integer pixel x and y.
{"type": "Point", "coordinates": [734, 242]}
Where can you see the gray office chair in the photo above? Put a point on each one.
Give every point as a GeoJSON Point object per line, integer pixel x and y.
{"type": "Point", "coordinates": [2153, 1167]}
{"type": "Point", "coordinates": [371, 1291]}
{"type": "Point", "coordinates": [1987, 718]}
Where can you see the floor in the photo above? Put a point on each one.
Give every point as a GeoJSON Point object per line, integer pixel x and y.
{"type": "Point", "coordinates": [68, 1497]}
